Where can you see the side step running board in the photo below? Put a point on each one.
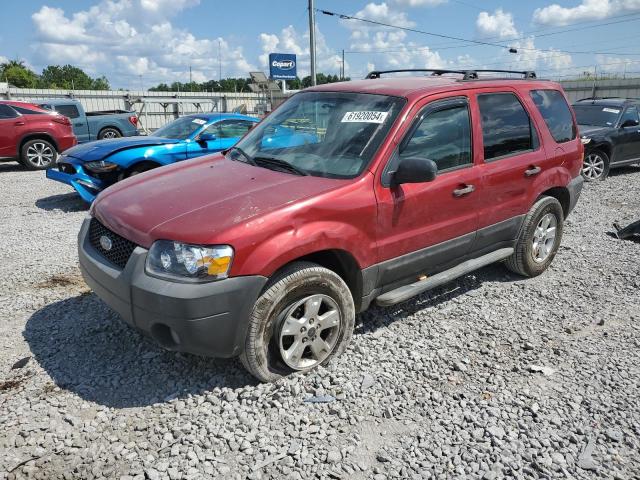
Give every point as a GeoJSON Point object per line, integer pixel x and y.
{"type": "Point", "coordinates": [405, 292]}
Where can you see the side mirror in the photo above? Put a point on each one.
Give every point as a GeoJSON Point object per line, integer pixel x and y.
{"type": "Point", "coordinates": [206, 137]}
{"type": "Point", "coordinates": [629, 123]}
{"type": "Point", "coordinates": [414, 170]}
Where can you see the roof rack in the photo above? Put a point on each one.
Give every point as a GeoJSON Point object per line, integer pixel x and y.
{"type": "Point", "coordinates": [605, 98]}
{"type": "Point", "coordinates": [471, 74]}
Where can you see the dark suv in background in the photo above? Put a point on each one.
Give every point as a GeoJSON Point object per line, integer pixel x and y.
{"type": "Point", "coordinates": [610, 131]}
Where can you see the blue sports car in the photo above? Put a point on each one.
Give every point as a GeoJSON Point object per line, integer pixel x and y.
{"type": "Point", "coordinates": [92, 167]}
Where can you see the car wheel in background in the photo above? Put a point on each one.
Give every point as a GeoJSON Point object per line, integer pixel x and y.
{"type": "Point", "coordinates": [143, 167]}
{"type": "Point", "coordinates": [595, 166]}
{"type": "Point", "coordinates": [539, 238]}
{"type": "Point", "coordinates": [109, 133]}
{"type": "Point", "coordinates": [38, 154]}
{"type": "Point", "coordinates": [303, 319]}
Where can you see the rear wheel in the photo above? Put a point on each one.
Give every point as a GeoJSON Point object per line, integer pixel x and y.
{"type": "Point", "coordinates": [539, 238]}
{"type": "Point", "coordinates": [303, 319]}
{"type": "Point", "coordinates": [38, 154]}
{"type": "Point", "coordinates": [109, 133]}
{"type": "Point", "coordinates": [595, 166]}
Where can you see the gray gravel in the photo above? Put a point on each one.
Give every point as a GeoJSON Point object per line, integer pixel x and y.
{"type": "Point", "coordinates": [491, 377]}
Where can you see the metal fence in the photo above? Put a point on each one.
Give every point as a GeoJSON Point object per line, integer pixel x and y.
{"type": "Point", "coordinates": [154, 108]}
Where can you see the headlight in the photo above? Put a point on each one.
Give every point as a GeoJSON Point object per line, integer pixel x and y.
{"type": "Point", "coordinates": [184, 262]}
{"type": "Point", "coordinates": [100, 166]}
{"type": "Point", "coordinates": [585, 140]}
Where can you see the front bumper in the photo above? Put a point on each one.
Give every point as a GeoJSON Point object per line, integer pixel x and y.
{"type": "Point", "coordinates": [575, 189]}
{"type": "Point", "coordinates": [208, 319]}
{"type": "Point", "coordinates": [87, 186]}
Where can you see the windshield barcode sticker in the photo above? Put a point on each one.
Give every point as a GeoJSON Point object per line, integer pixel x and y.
{"type": "Point", "coordinates": [199, 121]}
{"type": "Point", "coordinates": [366, 117]}
{"type": "Point", "coordinates": [610, 110]}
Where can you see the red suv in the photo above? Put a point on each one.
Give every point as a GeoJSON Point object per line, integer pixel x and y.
{"type": "Point", "coordinates": [32, 135]}
{"type": "Point", "coordinates": [348, 193]}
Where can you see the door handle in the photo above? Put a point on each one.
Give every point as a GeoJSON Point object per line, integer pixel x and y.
{"type": "Point", "coordinates": [79, 124]}
{"type": "Point", "coordinates": [19, 124]}
{"type": "Point", "coordinates": [467, 189]}
{"type": "Point", "coordinates": [534, 170]}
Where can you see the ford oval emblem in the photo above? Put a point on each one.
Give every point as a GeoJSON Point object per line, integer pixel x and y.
{"type": "Point", "coordinates": [106, 242]}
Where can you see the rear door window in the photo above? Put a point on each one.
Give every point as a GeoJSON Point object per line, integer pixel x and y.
{"type": "Point", "coordinates": [27, 111]}
{"type": "Point", "coordinates": [556, 114]}
{"type": "Point", "coordinates": [7, 112]}
{"type": "Point", "coordinates": [506, 127]}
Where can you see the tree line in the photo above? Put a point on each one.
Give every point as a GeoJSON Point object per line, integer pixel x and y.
{"type": "Point", "coordinates": [238, 84]}
{"type": "Point", "coordinates": [68, 77]}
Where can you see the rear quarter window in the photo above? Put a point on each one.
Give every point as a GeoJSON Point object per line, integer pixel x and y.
{"type": "Point", "coordinates": [70, 111]}
{"type": "Point", "coordinates": [556, 114]}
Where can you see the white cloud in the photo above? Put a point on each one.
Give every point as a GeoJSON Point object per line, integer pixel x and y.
{"type": "Point", "coordinates": [128, 38]}
{"type": "Point", "coordinates": [291, 41]}
{"type": "Point", "coordinates": [587, 10]}
{"type": "Point", "coordinates": [499, 24]}
{"type": "Point", "coordinates": [420, 3]}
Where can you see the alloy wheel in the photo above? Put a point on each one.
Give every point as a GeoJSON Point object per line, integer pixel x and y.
{"type": "Point", "coordinates": [544, 237]}
{"type": "Point", "coordinates": [40, 154]}
{"type": "Point", "coordinates": [593, 166]}
{"type": "Point", "coordinates": [309, 331]}
{"type": "Point", "coordinates": [109, 134]}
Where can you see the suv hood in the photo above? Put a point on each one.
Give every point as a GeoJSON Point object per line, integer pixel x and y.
{"type": "Point", "coordinates": [91, 151]}
{"type": "Point", "coordinates": [589, 130]}
{"type": "Point", "coordinates": [197, 201]}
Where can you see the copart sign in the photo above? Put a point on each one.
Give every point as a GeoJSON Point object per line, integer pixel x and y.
{"type": "Point", "coordinates": [282, 66]}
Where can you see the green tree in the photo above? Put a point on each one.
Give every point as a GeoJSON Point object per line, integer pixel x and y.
{"type": "Point", "coordinates": [69, 77]}
{"type": "Point", "coordinates": [16, 73]}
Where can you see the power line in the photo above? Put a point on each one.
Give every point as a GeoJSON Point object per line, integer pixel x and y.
{"type": "Point", "coordinates": [477, 42]}
{"type": "Point", "coordinates": [523, 37]}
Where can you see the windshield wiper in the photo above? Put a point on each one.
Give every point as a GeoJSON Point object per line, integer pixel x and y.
{"type": "Point", "coordinates": [250, 160]}
{"type": "Point", "coordinates": [276, 162]}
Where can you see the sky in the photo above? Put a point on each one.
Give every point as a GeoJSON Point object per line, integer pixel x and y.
{"type": "Point", "coordinates": [138, 43]}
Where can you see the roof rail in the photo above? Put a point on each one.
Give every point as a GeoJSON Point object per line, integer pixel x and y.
{"type": "Point", "coordinates": [606, 98]}
{"type": "Point", "coordinates": [471, 74]}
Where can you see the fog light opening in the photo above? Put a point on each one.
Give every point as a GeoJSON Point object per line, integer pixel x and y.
{"type": "Point", "coordinates": [166, 336]}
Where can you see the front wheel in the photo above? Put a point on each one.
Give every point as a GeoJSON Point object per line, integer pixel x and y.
{"type": "Point", "coordinates": [539, 238]}
{"type": "Point", "coordinates": [38, 154]}
{"type": "Point", "coordinates": [595, 166]}
{"type": "Point", "coordinates": [303, 319]}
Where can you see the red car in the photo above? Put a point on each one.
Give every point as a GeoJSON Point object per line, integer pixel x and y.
{"type": "Point", "coordinates": [383, 189]}
{"type": "Point", "coordinates": [33, 136]}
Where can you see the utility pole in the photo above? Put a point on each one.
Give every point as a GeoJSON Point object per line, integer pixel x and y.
{"type": "Point", "coordinates": [312, 40]}
{"type": "Point", "coordinates": [342, 75]}
{"type": "Point", "coordinates": [189, 74]}
{"type": "Point", "coordinates": [220, 63]}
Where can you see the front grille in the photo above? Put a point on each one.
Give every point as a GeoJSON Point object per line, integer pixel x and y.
{"type": "Point", "coordinates": [66, 168]}
{"type": "Point", "coordinates": [121, 248]}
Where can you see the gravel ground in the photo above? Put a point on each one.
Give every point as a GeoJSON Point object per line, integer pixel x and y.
{"type": "Point", "coordinates": [493, 376]}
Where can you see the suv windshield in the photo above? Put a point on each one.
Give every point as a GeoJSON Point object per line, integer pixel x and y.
{"type": "Point", "coordinates": [325, 134]}
{"type": "Point", "coordinates": [597, 115]}
{"type": "Point", "coordinates": [181, 128]}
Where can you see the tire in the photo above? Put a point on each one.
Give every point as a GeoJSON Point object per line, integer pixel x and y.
{"type": "Point", "coordinates": [530, 258]}
{"type": "Point", "coordinates": [302, 295]}
{"type": "Point", "coordinates": [137, 169]}
{"type": "Point", "coordinates": [109, 132]}
{"type": "Point", "coordinates": [38, 154]}
{"type": "Point", "coordinates": [595, 166]}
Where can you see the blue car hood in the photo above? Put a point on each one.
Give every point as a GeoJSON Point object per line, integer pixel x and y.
{"type": "Point", "coordinates": [89, 152]}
